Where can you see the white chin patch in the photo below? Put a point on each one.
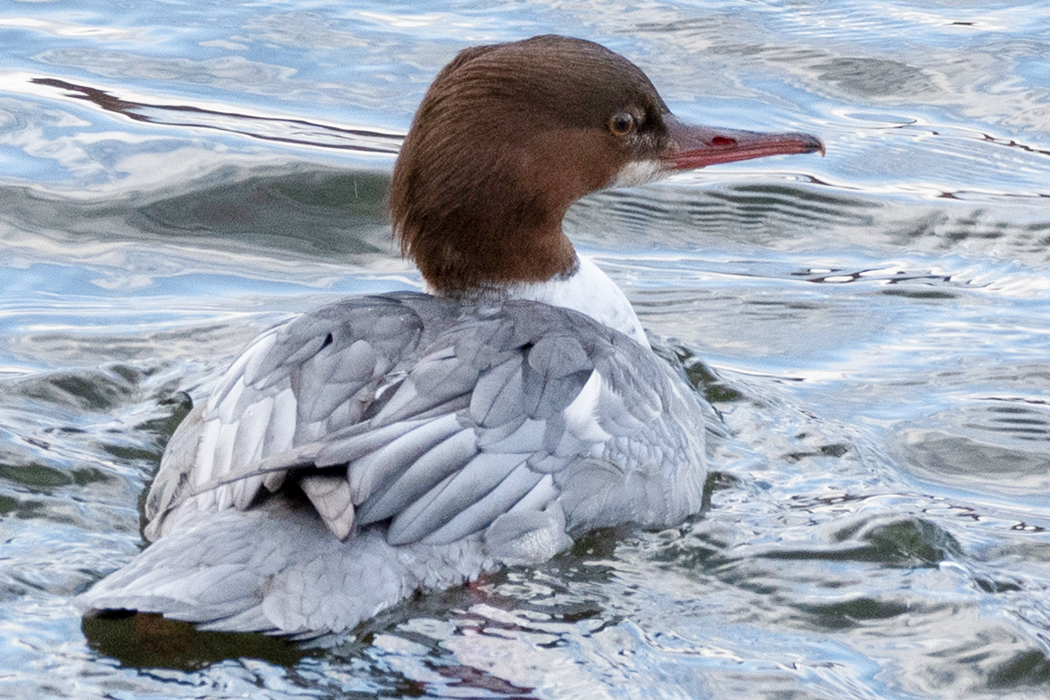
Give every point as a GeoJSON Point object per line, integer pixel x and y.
{"type": "Point", "coordinates": [638, 172]}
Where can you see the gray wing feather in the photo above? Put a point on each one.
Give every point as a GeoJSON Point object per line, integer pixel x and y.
{"type": "Point", "coordinates": [327, 380]}
{"type": "Point", "coordinates": [483, 512]}
{"type": "Point", "coordinates": [357, 441]}
{"type": "Point", "coordinates": [520, 435]}
{"type": "Point", "coordinates": [377, 470]}
{"type": "Point", "coordinates": [418, 477]}
{"type": "Point", "coordinates": [499, 395]}
{"type": "Point", "coordinates": [436, 380]}
{"type": "Point", "coordinates": [458, 491]}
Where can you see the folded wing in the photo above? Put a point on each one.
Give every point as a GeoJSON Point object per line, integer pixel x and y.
{"type": "Point", "coordinates": [400, 409]}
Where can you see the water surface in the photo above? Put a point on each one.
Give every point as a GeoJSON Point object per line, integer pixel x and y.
{"type": "Point", "coordinates": [872, 329]}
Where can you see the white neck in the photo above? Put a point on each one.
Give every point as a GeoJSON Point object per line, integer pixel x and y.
{"type": "Point", "coordinates": [589, 291]}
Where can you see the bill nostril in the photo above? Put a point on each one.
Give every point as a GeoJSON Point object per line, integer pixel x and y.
{"type": "Point", "coordinates": [723, 141]}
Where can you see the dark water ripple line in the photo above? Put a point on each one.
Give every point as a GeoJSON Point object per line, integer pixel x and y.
{"type": "Point", "coordinates": [948, 25]}
{"type": "Point", "coordinates": [791, 203]}
{"type": "Point", "coordinates": [842, 530]}
{"type": "Point", "coordinates": [260, 127]}
{"type": "Point", "coordinates": [978, 231]}
{"type": "Point", "coordinates": [676, 215]}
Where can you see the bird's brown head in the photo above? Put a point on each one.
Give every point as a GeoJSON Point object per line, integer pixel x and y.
{"type": "Point", "coordinates": [510, 135]}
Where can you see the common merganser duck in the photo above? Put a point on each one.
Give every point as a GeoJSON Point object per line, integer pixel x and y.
{"type": "Point", "coordinates": [386, 444]}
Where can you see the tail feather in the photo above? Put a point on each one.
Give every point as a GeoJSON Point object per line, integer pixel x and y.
{"type": "Point", "coordinates": [277, 570]}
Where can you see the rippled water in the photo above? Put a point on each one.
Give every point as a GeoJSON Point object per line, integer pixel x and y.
{"type": "Point", "coordinates": [872, 328]}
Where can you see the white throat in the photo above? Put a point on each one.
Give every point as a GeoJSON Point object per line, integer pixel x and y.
{"type": "Point", "coordinates": [589, 291]}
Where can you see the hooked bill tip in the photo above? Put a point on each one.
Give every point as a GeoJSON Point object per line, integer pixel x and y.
{"type": "Point", "coordinates": [815, 145]}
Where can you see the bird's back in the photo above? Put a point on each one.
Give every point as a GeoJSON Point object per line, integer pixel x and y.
{"type": "Point", "coordinates": [385, 444]}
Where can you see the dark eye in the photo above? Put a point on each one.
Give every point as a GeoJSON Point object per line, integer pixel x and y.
{"type": "Point", "coordinates": [621, 123]}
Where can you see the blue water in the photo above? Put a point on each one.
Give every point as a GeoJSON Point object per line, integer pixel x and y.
{"type": "Point", "coordinates": [872, 327]}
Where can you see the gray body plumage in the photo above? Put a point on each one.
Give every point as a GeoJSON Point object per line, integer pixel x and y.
{"type": "Point", "coordinates": [385, 444]}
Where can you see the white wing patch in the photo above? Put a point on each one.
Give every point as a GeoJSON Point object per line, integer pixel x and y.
{"type": "Point", "coordinates": [581, 416]}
